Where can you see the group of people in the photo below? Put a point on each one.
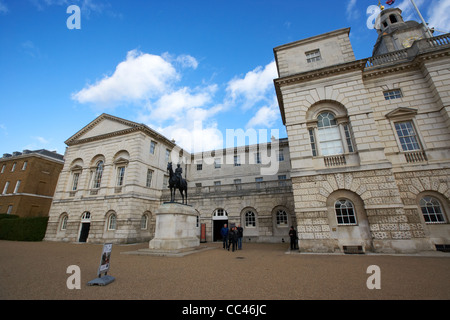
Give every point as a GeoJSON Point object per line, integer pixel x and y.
{"type": "Point", "coordinates": [232, 238]}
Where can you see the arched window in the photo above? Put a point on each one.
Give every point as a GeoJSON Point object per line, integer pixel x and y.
{"type": "Point", "coordinates": [345, 212]}
{"type": "Point", "coordinates": [98, 175]}
{"type": "Point", "coordinates": [86, 217]}
{"type": "Point", "coordinates": [144, 221]}
{"type": "Point", "coordinates": [432, 210]}
{"type": "Point", "coordinates": [220, 213]}
{"type": "Point", "coordinates": [282, 219]}
{"type": "Point", "coordinates": [64, 219]}
{"type": "Point", "coordinates": [250, 220]}
{"type": "Point", "coordinates": [329, 136]}
{"type": "Point", "coordinates": [112, 221]}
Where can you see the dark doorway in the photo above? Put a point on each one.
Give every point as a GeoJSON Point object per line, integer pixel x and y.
{"type": "Point", "coordinates": [85, 226]}
{"type": "Point", "coordinates": [218, 224]}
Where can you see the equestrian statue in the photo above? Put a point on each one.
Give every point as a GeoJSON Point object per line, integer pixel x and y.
{"type": "Point", "coordinates": [176, 181]}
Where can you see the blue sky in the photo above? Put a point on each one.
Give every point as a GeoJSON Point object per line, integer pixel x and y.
{"type": "Point", "coordinates": [189, 69]}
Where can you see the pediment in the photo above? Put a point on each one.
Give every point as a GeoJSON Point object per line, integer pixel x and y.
{"type": "Point", "coordinates": [402, 112]}
{"type": "Point", "coordinates": [103, 126]}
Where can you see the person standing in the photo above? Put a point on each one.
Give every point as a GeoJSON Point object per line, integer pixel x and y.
{"type": "Point", "coordinates": [233, 238]}
{"type": "Point", "coordinates": [240, 232]}
{"type": "Point", "coordinates": [224, 232]}
{"type": "Point", "coordinates": [293, 237]}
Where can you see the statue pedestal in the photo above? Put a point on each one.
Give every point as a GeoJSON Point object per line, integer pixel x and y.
{"type": "Point", "coordinates": [176, 228]}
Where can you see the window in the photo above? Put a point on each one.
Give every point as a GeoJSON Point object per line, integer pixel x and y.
{"type": "Point", "coordinates": [432, 210]}
{"type": "Point", "coordinates": [407, 136]}
{"type": "Point", "coordinates": [329, 135]}
{"type": "Point", "coordinates": [167, 155]}
{"type": "Point", "coordinates": [258, 181]}
{"type": "Point", "coordinates": [313, 56]}
{"type": "Point", "coordinates": [257, 158]}
{"type": "Point", "coordinates": [393, 94]}
{"type": "Point", "coordinates": [345, 212]}
{"type": "Point", "coordinates": [282, 180]}
{"type": "Point", "coordinates": [144, 221]}
{"type": "Point", "coordinates": [10, 207]}
{"type": "Point", "coordinates": [16, 189]}
{"type": "Point", "coordinates": [76, 177]}
{"type": "Point", "coordinates": [13, 167]}
{"type": "Point", "coordinates": [280, 155]}
{"type": "Point", "coordinates": [112, 220]}
{"type": "Point", "coordinates": [237, 183]}
{"type": "Point", "coordinates": [220, 213]}
{"type": "Point", "coordinates": [282, 218]}
{"type": "Point", "coordinates": [250, 220]}
{"type": "Point", "coordinates": [86, 217]}
{"type": "Point", "coordinates": [237, 161]}
{"type": "Point", "coordinates": [152, 147]}
{"type": "Point", "coordinates": [199, 166]}
{"type": "Point", "coordinates": [148, 182]}
{"type": "Point", "coordinates": [5, 189]}
{"type": "Point", "coordinates": [313, 142]}
{"type": "Point", "coordinates": [348, 137]}
{"type": "Point", "coordinates": [98, 175]}
{"type": "Point", "coordinates": [25, 163]}
{"type": "Point", "coordinates": [3, 168]}
{"type": "Point", "coordinates": [64, 222]}
{"type": "Point", "coordinates": [217, 163]}
{"type": "Point", "coordinates": [120, 176]}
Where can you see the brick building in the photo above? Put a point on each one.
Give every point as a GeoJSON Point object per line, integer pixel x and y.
{"type": "Point", "coordinates": [28, 180]}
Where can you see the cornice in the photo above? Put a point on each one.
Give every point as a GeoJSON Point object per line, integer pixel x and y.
{"type": "Point", "coordinates": [321, 73]}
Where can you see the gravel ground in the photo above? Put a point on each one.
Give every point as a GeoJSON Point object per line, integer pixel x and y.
{"type": "Point", "coordinates": [37, 271]}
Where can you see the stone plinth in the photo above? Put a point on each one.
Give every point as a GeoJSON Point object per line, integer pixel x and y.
{"type": "Point", "coordinates": [175, 228]}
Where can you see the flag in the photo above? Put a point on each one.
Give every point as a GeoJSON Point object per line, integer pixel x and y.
{"type": "Point", "coordinates": [390, 2]}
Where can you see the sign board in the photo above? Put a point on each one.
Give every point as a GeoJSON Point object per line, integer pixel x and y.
{"type": "Point", "coordinates": [105, 259]}
{"type": "Point", "coordinates": [104, 267]}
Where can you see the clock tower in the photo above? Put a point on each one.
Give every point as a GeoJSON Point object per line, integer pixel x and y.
{"type": "Point", "coordinates": [394, 33]}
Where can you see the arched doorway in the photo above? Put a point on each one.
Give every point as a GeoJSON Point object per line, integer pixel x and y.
{"type": "Point", "coordinates": [220, 217]}
{"type": "Point", "coordinates": [85, 226]}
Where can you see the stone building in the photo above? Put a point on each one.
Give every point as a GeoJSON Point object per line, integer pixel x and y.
{"type": "Point", "coordinates": [369, 139]}
{"type": "Point", "coordinates": [365, 167]}
{"type": "Point", "coordinates": [115, 177]}
{"type": "Point", "coordinates": [28, 180]}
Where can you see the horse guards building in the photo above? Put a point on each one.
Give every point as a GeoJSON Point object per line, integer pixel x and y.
{"type": "Point", "coordinates": [365, 167]}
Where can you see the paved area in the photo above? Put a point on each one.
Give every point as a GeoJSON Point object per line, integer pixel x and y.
{"type": "Point", "coordinates": [38, 270]}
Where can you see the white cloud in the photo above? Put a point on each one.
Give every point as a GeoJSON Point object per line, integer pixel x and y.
{"type": "Point", "coordinates": [187, 61]}
{"type": "Point", "coordinates": [439, 15]}
{"type": "Point", "coordinates": [254, 87]}
{"type": "Point", "coordinates": [265, 116]}
{"type": "Point", "coordinates": [178, 104]}
{"type": "Point", "coordinates": [141, 76]}
{"type": "Point", "coordinates": [351, 11]}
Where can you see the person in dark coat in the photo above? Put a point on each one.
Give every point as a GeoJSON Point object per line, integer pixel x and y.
{"type": "Point", "coordinates": [240, 231]}
{"type": "Point", "coordinates": [293, 237]}
{"type": "Point", "coordinates": [224, 232]}
{"type": "Point", "coordinates": [233, 239]}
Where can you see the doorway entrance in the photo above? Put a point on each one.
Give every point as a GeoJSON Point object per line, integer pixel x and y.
{"type": "Point", "coordinates": [85, 226]}
{"type": "Point", "coordinates": [220, 217]}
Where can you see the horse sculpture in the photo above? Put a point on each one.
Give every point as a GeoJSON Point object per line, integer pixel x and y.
{"type": "Point", "coordinates": [176, 183]}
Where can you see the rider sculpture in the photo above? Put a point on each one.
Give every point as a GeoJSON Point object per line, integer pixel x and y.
{"type": "Point", "coordinates": [176, 181]}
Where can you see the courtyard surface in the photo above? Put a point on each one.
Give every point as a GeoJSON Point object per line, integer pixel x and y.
{"type": "Point", "coordinates": [38, 271]}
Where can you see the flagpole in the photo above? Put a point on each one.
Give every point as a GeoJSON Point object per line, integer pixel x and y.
{"type": "Point", "coordinates": [423, 20]}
